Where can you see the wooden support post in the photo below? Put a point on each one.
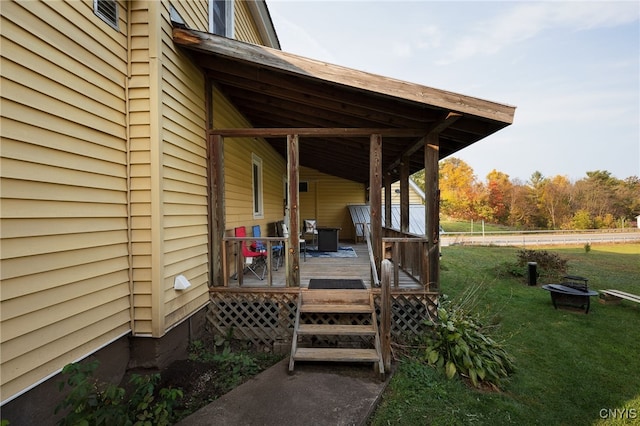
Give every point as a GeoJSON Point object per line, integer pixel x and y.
{"type": "Point", "coordinates": [375, 196]}
{"type": "Point", "coordinates": [404, 194]}
{"type": "Point", "coordinates": [432, 211]}
{"type": "Point", "coordinates": [217, 210]}
{"type": "Point", "coordinates": [385, 314]}
{"type": "Point", "coordinates": [388, 222]}
{"type": "Point", "coordinates": [292, 259]}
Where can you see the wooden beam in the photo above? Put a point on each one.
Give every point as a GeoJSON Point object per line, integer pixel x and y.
{"type": "Point", "coordinates": [404, 195]}
{"type": "Point", "coordinates": [432, 211]}
{"type": "Point", "coordinates": [292, 260]}
{"type": "Point", "coordinates": [388, 222]}
{"type": "Point", "coordinates": [318, 132]}
{"type": "Point", "coordinates": [385, 313]}
{"type": "Point", "coordinates": [281, 90]}
{"type": "Point", "coordinates": [215, 172]}
{"type": "Point", "coordinates": [436, 128]}
{"type": "Point", "coordinates": [305, 68]}
{"type": "Point", "coordinates": [375, 197]}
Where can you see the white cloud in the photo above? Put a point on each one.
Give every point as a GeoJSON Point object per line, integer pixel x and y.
{"type": "Point", "coordinates": [524, 21]}
{"type": "Point", "coordinates": [295, 39]}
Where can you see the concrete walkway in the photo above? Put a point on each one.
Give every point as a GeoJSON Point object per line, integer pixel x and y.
{"type": "Point", "coordinates": [314, 394]}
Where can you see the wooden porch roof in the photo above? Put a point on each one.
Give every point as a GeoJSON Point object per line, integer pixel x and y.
{"type": "Point", "coordinates": [334, 109]}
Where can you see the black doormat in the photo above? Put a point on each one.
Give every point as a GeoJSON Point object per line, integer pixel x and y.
{"type": "Point", "coordinates": [316, 283]}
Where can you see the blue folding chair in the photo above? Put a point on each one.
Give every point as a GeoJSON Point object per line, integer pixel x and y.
{"type": "Point", "coordinates": [277, 249]}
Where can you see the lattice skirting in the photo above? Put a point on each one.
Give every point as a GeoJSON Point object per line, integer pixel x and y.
{"type": "Point", "coordinates": [264, 317]}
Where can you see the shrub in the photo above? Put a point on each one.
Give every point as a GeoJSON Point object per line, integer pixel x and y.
{"type": "Point", "coordinates": [93, 403]}
{"type": "Point", "coordinates": [461, 345]}
{"type": "Point", "coordinates": [551, 266]}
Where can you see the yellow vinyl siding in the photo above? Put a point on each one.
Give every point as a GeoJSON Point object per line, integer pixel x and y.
{"type": "Point", "coordinates": [414, 197]}
{"type": "Point", "coordinates": [184, 176]}
{"type": "Point", "coordinates": [238, 172]}
{"type": "Point", "coordinates": [194, 13]}
{"type": "Point", "coordinates": [64, 263]}
{"type": "Point", "coordinates": [140, 166]}
{"type": "Point", "coordinates": [327, 200]}
{"type": "Point", "coordinates": [244, 26]}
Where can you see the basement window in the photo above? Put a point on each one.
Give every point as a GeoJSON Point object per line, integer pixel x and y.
{"type": "Point", "coordinates": [107, 10]}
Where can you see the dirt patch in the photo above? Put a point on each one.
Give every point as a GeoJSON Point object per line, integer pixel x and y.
{"type": "Point", "coordinates": [201, 382]}
{"type": "Point", "coordinates": [205, 381]}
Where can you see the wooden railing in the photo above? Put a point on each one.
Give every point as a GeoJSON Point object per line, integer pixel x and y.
{"type": "Point", "coordinates": [375, 281]}
{"type": "Point", "coordinates": [236, 250]}
{"type": "Point", "coordinates": [408, 253]}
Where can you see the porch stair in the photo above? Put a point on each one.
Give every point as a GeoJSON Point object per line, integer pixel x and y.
{"type": "Point", "coordinates": [341, 305]}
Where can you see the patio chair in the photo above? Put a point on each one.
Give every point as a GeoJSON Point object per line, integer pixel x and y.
{"type": "Point", "coordinates": [258, 258]}
{"type": "Point", "coordinates": [311, 227]}
{"type": "Point", "coordinates": [277, 249]}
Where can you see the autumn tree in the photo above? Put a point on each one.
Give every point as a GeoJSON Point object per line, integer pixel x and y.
{"type": "Point", "coordinates": [555, 200]}
{"type": "Point", "coordinates": [498, 190]}
{"type": "Point", "coordinates": [599, 200]}
{"type": "Point", "coordinates": [458, 189]}
{"type": "Point", "coordinates": [521, 210]}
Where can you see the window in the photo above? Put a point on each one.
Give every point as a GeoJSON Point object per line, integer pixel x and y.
{"type": "Point", "coordinates": [107, 10]}
{"type": "Point", "coordinates": [257, 186]}
{"type": "Point", "coordinates": [221, 17]}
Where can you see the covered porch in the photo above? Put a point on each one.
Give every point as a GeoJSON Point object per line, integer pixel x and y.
{"type": "Point", "coordinates": [358, 268]}
{"type": "Point", "coordinates": [358, 126]}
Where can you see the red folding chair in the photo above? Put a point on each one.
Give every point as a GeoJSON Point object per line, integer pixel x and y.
{"type": "Point", "coordinates": [258, 258]}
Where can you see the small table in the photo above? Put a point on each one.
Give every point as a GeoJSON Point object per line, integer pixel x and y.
{"type": "Point", "coordinates": [327, 239]}
{"type": "Point", "coordinates": [565, 295]}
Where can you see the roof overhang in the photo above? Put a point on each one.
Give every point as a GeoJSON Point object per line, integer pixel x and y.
{"type": "Point", "coordinates": [334, 109]}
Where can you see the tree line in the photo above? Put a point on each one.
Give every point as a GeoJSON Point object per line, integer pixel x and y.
{"type": "Point", "coordinates": [596, 201]}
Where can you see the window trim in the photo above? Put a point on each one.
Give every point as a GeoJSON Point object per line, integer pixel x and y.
{"type": "Point", "coordinates": [228, 18]}
{"type": "Point", "coordinates": [257, 194]}
{"type": "Point", "coordinates": [106, 19]}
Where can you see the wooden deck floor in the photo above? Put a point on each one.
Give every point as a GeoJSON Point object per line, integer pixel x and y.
{"type": "Point", "coordinates": [326, 268]}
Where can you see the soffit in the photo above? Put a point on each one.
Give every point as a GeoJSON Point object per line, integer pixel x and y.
{"type": "Point", "coordinates": [275, 89]}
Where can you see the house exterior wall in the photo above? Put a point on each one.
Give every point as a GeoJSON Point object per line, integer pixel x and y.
{"type": "Point", "coordinates": [238, 172]}
{"type": "Point", "coordinates": [414, 197]}
{"type": "Point", "coordinates": [64, 272]}
{"type": "Point", "coordinates": [327, 200]}
{"type": "Point", "coordinates": [245, 28]}
{"type": "Point", "coordinates": [104, 181]}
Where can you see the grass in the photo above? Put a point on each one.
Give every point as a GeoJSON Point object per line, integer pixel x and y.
{"type": "Point", "coordinates": [468, 226]}
{"type": "Point", "coordinates": [570, 366]}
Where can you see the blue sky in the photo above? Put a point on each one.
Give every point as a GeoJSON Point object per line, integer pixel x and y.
{"type": "Point", "coordinates": [571, 68]}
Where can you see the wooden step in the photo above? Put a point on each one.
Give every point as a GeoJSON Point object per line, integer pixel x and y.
{"type": "Point", "coordinates": [336, 355]}
{"type": "Point", "coordinates": [335, 308]}
{"type": "Point", "coordinates": [336, 330]}
{"type": "Point", "coordinates": [335, 296]}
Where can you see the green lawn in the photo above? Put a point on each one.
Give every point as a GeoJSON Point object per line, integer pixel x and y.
{"type": "Point", "coordinates": [572, 368]}
{"type": "Point", "coordinates": [468, 226]}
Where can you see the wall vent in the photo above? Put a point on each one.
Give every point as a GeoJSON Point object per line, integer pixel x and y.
{"type": "Point", "coordinates": [107, 10]}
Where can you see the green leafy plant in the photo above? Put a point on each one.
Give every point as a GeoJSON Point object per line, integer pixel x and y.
{"type": "Point", "coordinates": [90, 402]}
{"type": "Point", "coordinates": [460, 344]}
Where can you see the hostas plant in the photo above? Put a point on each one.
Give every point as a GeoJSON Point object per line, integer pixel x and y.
{"type": "Point", "coordinates": [459, 345]}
